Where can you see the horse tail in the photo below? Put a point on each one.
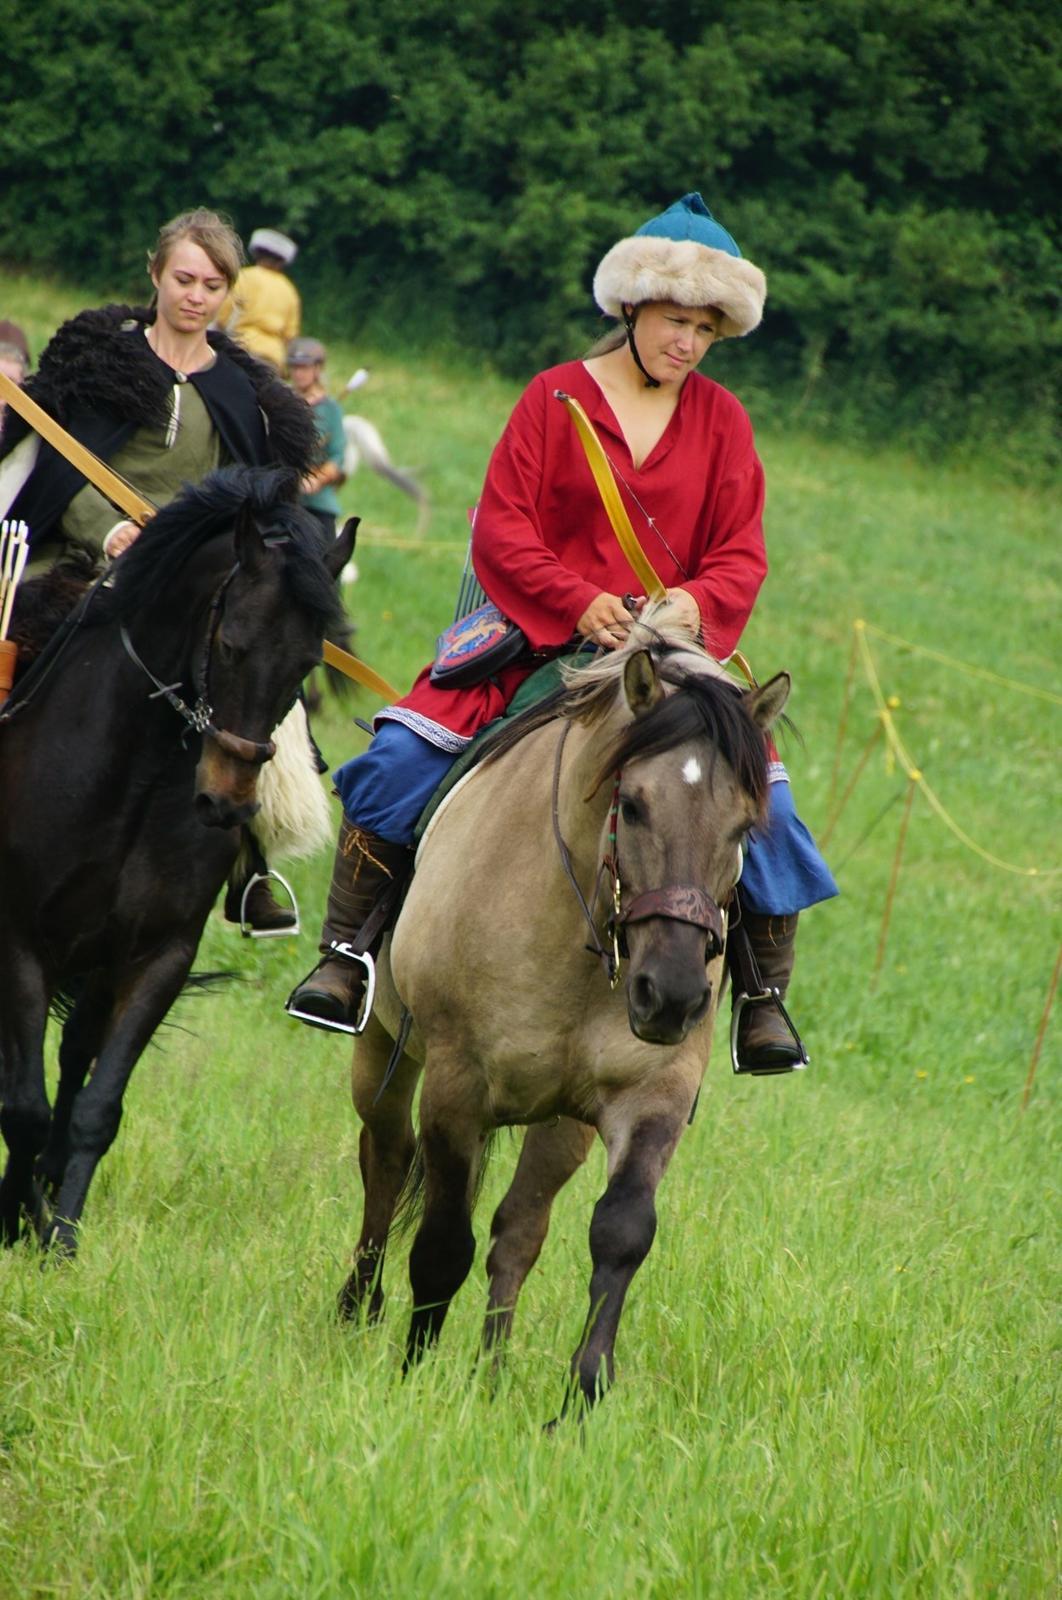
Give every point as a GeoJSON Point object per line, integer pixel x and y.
{"type": "Point", "coordinates": [410, 1205]}
{"type": "Point", "coordinates": [65, 1000]}
{"type": "Point", "coordinates": [409, 1210]}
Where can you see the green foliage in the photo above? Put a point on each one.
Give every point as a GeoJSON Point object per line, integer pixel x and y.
{"type": "Point", "coordinates": [890, 164]}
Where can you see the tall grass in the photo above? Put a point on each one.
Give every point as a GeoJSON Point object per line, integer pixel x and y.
{"type": "Point", "coordinates": [839, 1368]}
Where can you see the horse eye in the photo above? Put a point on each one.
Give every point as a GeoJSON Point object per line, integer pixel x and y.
{"type": "Point", "coordinates": [229, 654]}
{"type": "Point", "coordinates": [630, 812]}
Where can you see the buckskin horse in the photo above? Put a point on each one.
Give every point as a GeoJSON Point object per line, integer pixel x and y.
{"type": "Point", "coordinates": [601, 838]}
{"type": "Point", "coordinates": [129, 755]}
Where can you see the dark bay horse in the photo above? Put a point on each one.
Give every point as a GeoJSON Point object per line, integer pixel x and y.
{"type": "Point", "coordinates": [605, 833]}
{"type": "Point", "coordinates": [127, 762]}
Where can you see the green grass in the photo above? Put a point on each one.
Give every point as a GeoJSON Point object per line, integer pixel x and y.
{"type": "Point", "coordinates": [839, 1367]}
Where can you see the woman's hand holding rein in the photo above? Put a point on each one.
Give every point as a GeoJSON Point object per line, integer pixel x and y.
{"type": "Point", "coordinates": [607, 619]}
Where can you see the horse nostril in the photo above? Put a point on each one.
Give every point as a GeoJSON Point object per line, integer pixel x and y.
{"type": "Point", "coordinates": [644, 996]}
{"type": "Point", "coordinates": [698, 1006]}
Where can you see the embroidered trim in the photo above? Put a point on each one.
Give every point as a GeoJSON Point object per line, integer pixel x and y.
{"type": "Point", "coordinates": [776, 772]}
{"type": "Point", "coordinates": [433, 732]}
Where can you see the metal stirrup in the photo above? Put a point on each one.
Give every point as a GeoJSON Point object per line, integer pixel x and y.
{"type": "Point", "coordinates": [771, 997]}
{"type": "Point", "coordinates": [251, 932]}
{"type": "Point", "coordinates": [346, 952]}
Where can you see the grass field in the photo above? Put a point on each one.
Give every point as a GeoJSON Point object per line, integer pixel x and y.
{"type": "Point", "coordinates": [838, 1372]}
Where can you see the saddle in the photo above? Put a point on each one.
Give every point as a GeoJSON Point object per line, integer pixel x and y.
{"type": "Point", "coordinates": [543, 682]}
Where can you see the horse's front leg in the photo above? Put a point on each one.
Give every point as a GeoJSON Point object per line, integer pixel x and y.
{"type": "Point", "coordinates": [452, 1140]}
{"type": "Point", "coordinates": [24, 1113]}
{"type": "Point", "coordinates": [82, 1037]}
{"type": "Point", "coordinates": [550, 1154]}
{"type": "Point", "coordinates": [97, 1110]}
{"type": "Point", "coordinates": [385, 1154]}
{"type": "Point", "coordinates": [621, 1232]}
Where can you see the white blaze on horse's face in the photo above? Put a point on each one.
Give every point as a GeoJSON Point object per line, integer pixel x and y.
{"type": "Point", "coordinates": [691, 770]}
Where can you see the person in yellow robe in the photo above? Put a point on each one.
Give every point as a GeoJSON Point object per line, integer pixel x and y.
{"type": "Point", "coordinates": [264, 311]}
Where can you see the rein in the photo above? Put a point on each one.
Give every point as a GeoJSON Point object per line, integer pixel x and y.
{"type": "Point", "coordinates": [677, 902]}
{"type": "Point", "coordinates": [200, 716]}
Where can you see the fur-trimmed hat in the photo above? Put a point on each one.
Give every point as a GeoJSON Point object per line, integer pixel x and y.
{"type": "Point", "coordinates": [684, 256]}
{"type": "Point", "coordinates": [274, 243]}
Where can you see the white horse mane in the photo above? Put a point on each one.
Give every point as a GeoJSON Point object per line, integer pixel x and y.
{"type": "Point", "coordinates": [657, 629]}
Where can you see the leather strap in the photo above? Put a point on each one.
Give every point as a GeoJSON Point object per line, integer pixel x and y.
{"type": "Point", "coordinates": [125, 497]}
{"type": "Point", "coordinates": [639, 562]}
{"type": "Point", "coordinates": [680, 902]}
{"type": "Point", "coordinates": [744, 968]}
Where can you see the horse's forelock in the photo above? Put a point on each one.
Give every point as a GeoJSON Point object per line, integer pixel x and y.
{"type": "Point", "coordinates": [701, 704]}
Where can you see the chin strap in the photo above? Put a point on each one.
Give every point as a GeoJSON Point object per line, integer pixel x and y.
{"type": "Point", "coordinates": [628, 323]}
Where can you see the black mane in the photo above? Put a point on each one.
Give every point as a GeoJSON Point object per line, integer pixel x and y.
{"type": "Point", "coordinates": [702, 705]}
{"type": "Point", "coordinates": [206, 511]}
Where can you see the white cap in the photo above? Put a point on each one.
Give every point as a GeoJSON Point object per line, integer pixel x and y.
{"type": "Point", "coordinates": [278, 244]}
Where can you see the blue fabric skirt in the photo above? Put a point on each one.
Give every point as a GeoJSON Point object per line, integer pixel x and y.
{"type": "Point", "coordinates": [386, 789]}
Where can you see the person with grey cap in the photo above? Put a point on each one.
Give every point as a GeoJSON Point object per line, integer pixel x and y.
{"type": "Point", "coordinates": [545, 552]}
{"type": "Point", "coordinates": [264, 311]}
{"type": "Point", "coordinates": [306, 359]}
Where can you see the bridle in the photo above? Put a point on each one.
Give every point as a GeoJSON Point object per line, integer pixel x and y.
{"type": "Point", "coordinates": [200, 717]}
{"type": "Point", "coordinates": [676, 902]}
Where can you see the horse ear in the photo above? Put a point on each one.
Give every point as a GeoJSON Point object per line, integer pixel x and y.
{"type": "Point", "coordinates": [640, 683]}
{"type": "Point", "coordinates": [250, 546]}
{"type": "Point", "coordinates": [342, 547]}
{"type": "Point", "coordinates": [766, 703]}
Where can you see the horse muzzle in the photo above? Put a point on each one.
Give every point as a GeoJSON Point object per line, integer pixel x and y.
{"type": "Point", "coordinates": [226, 778]}
{"type": "Point", "coordinates": [661, 1010]}
{"type": "Point", "coordinates": [680, 932]}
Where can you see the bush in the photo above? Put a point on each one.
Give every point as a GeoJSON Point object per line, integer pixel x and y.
{"type": "Point", "coordinates": [458, 168]}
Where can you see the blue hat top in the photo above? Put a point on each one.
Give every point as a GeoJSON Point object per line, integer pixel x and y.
{"type": "Point", "coordinates": [689, 218]}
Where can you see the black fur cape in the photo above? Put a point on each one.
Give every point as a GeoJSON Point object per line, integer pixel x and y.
{"type": "Point", "coordinates": [100, 378]}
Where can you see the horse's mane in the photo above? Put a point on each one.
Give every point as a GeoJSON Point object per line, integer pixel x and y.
{"type": "Point", "coordinates": [205, 511]}
{"type": "Point", "coordinates": [705, 702]}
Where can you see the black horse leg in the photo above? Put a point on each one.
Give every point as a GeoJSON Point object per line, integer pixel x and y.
{"type": "Point", "coordinates": [621, 1233]}
{"type": "Point", "coordinates": [97, 1109]}
{"type": "Point", "coordinates": [385, 1154]}
{"type": "Point", "coordinates": [551, 1152]}
{"type": "Point", "coordinates": [80, 1045]}
{"type": "Point", "coordinates": [442, 1252]}
{"type": "Point", "coordinates": [25, 1113]}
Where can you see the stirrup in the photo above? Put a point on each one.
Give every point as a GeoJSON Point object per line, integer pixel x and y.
{"type": "Point", "coordinates": [767, 997]}
{"type": "Point", "coordinates": [339, 947]}
{"type": "Point", "coordinates": [247, 930]}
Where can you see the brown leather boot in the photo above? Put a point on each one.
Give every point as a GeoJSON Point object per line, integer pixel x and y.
{"type": "Point", "coordinates": [368, 876]}
{"type": "Point", "coordinates": [765, 1042]}
{"type": "Point", "coordinates": [261, 912]}
{"type": "Point", "coordinates": [249, 900]}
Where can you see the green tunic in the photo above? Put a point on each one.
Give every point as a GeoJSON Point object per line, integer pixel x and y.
{"type": "Point", "coordinates": [157, 462]}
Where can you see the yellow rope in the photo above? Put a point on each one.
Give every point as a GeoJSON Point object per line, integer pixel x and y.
{"type": "Point", "coordinates": [896, 745]}
{"type": "Point", "coordinates": [962, 666]}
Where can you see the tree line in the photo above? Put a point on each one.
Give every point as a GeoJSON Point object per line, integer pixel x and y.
{"type": "Point", "coordinates": [453, 169]}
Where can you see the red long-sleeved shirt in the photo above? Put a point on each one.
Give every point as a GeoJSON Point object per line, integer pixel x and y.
{"type": "Point", "coordinates": [543, 546]}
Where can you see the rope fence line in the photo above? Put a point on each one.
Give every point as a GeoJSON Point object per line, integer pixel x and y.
{"type": "Point", "coordinates": [885, 726]}
{"type": "Point", "coordinates": [886, 705]}
{"type": "Point", "coordinates": [961, 666]}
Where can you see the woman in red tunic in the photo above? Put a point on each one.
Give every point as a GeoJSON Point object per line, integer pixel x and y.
{"type": "Point", "coordinates": [682, 452]}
